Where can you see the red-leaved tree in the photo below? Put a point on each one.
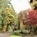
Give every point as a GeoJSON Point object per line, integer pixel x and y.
{"type": "Point", "coordinates": [32, 17]}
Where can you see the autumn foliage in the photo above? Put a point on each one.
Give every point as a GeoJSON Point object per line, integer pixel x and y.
{"type": "Point", "coordinates": [32, 17]}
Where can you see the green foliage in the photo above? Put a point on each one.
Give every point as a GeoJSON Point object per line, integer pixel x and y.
{"type": "Point", "coordinates": [8, 17]}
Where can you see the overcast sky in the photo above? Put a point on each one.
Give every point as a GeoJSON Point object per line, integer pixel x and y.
{"type": "Point", "coordinates": [20, 5]}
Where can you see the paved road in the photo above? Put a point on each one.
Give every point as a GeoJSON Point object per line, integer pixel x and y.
{"type": "Point", "coordinates": [30, 36]}
{"type": "Point", "coordinates": [4, 34]}
{"type": "Point", "coordinates": [8, 35]}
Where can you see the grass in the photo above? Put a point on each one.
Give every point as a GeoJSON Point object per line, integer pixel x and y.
{"type": "Point", "coordinates": [15, 36]}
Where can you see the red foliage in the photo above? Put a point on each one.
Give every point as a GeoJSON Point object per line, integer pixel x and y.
{"type": "Point", "coordinates": [32, 17]}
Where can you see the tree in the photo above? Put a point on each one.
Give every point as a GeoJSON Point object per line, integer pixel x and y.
{"type": "Point", "coordinates": [3, 5]}
{"type": "Point", "coordinates": [21, 18]}
{"type": "Point", "coordinates": [32, 17]}
{"type": "Point", "coordinates": [7, 14]}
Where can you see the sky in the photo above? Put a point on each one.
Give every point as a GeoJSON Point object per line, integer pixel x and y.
{"type": "Point", "coordinates": [20, 5]}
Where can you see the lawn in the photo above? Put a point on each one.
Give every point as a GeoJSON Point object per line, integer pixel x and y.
{"type": "Point", "coordinates": [15, 36]}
